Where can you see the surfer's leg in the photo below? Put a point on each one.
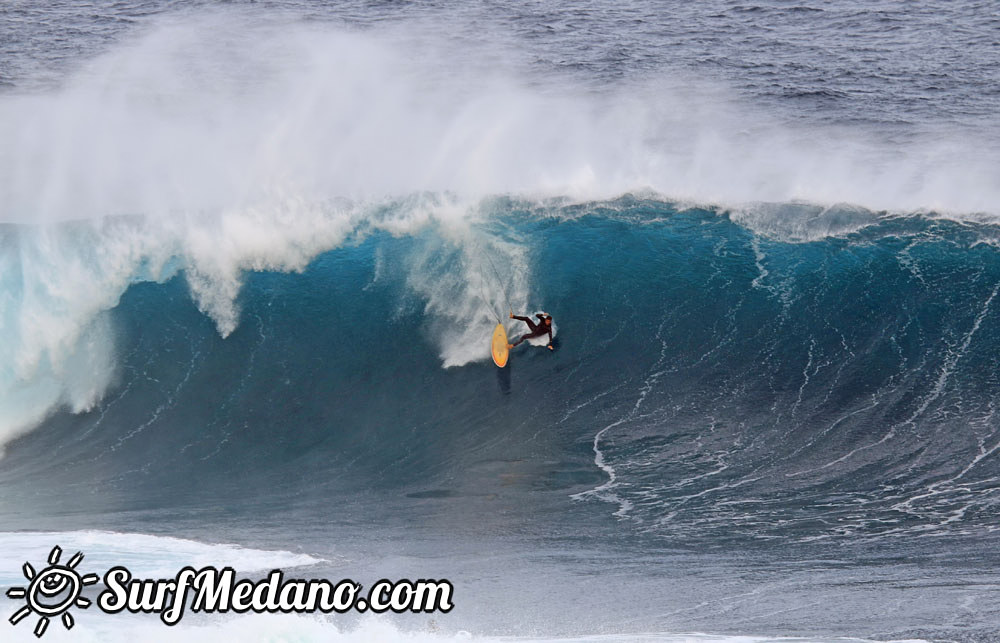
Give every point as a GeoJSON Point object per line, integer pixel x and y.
{"type": "Point", "coordinates": [532, 326]}
{"type": "Point", "coordinates": [535, 332]}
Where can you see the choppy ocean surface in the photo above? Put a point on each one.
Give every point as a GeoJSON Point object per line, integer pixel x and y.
{"type": "Point", "coordinates": [252, 253]}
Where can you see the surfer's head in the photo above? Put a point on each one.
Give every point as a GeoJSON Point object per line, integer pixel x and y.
{"type": "Point", "coordinates": [548, 320]}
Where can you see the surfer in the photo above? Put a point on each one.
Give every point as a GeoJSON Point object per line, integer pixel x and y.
{"type": "Point", "coordinates": [543, 326]}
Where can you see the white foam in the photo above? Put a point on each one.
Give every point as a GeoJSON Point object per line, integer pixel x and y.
{"type": "Point", "coordinates": [217, 110]}
{"type": "Point", "coordinates": [146, 556]}
{"type": "Point", "coordinates": [285, 628]}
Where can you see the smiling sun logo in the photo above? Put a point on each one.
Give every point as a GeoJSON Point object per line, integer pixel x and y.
{"type": "Point", "coordinates": [52, 591]}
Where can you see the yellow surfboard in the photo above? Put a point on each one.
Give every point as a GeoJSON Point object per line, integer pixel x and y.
{"type": "Point", "coordinates": [499, 346]}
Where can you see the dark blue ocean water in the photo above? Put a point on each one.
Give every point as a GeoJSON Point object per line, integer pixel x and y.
{"type": "Point", "coordinates": [251, 255]}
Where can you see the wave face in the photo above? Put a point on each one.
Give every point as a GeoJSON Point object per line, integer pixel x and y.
{"type": "Point", "coordinates": [712, 380]}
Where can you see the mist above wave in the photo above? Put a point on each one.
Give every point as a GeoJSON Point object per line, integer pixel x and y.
{"type": "Point", "coordinates": [211, 110]}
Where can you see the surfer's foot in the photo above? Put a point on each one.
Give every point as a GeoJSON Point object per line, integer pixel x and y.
{"type": "Point", "coordinates": [510, 346]}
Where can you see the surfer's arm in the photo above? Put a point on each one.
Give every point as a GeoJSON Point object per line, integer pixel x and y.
{"type": "Point", "coordinates": [550, 338]}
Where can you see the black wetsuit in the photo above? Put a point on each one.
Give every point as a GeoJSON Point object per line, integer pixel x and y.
{"type": "Point", "coordinates": [537, 330]}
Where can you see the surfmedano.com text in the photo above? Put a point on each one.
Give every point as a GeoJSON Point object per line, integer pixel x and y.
{"type": "Point", "coordinates": [218, 591]}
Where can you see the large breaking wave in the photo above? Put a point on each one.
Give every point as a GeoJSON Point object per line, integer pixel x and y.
{"type": "Point", "coordinates": [236, 253]}
{"type": "Point", "coordinates": [711, 380]}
